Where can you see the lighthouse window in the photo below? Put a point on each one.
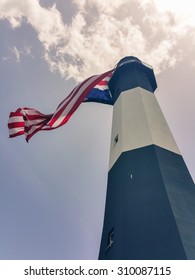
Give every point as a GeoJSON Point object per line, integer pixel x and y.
{"type": "Point", "coordinates": [115, 139]}
{"type": "Point", "coordinates": [110, 239]}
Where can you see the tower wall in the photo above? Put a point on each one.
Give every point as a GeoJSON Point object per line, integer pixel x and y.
{"type": "Point", "coordinates": [137, 122]}
{"type": "Point", "coordinates": [150, 201]}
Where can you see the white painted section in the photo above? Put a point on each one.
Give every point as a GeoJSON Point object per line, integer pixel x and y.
{"type": "Point", "coordinates": [138, 121]}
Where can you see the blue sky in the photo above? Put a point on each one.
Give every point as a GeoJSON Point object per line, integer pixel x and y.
{"type": "Point", "coordinates": [53, 189]}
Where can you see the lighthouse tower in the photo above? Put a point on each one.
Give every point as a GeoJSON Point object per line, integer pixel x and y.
{"type": "Point", "coordinates": [150, 201]}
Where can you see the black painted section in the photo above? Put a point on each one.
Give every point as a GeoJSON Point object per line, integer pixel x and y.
{"type": "Point", "coordinates": [131, 73]}
{"type": "Point", "coordinates": [143, 184]}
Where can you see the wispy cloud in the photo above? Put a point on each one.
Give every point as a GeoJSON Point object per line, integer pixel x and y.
{"type": "Point", "coordinates": [5, 58]}
{"type": "Point", "coordinates": [27, 51]}
{"type": "Point", "coordinates": [16, 53]}
{"type": "Point", "coordinates": [101, 32]}
{"type": "Point", "coordinates": [19, 53]}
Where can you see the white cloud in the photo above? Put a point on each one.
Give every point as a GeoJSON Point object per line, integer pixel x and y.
{"type": "Point", "coordinates": [10, 11]}
{"type": "Point", "coordinates": [25, 51]}
{"type": "Point", "coordinates": [16, 53]}
{"type": "Point", "coordinates": [183, 8]}
{"type": "Point", "coordinates": [46, 22]}
{"type": "Point", "coordinates": [101, 32]}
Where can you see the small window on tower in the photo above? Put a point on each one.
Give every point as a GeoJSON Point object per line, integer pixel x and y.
{"type": "Point", "coordinates": [110, 239]}
{"type": "Point", "coordinates": [116, 140]}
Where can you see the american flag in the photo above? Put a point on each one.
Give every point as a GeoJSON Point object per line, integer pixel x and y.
{"type": "Point", "coordinates": [29, 121]}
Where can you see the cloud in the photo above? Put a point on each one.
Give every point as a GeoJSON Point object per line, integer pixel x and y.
{"type": "Point", "coordinates": [101, 32]}
{"type": "Point", "coordinates": [25, 51]}
{"type": "Point", "coordinates": [16, 53]}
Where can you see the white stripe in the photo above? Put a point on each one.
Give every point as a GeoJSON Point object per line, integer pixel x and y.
{"type": "Point", "coordinates": [73, 101]}
{"type": "Point", "coordinates": [72, 93]}
{"type": "Point", "coordinates": [101, 87]}
{"type": "Point", "coordinates": [15, 130]}
{"type": "Point", "coordinates": [16, 119]}
{"type": "Point", "coordinates": [33, 128]}
{"type": "Point", "coordinates": [107, 78]}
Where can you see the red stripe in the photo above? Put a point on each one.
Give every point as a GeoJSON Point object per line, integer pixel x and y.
{"type": "Point", "coordinates": [16, 125]}
{"type": "Point", "coordinates": [76, 104]}
{"type": "Point", "coordinates": [24, 112]}
{"type": "Point", "coordinates": [81, 98]}
{"type": "Point", "coordinates": [58, 113]}
{"type": "Point", "coordinates": [78, 86]}
{"type": "Point", "coordinates": [103, 83]}
{"type": "Point", "coordinates": [40, 127]}
{"type": "Point", "coordinates": [35, 131]}
{"type": "Point", "coordinates": [16, 134]}
{"type": "Point", "coordinates": [15, 114]}
{"type": "Point", "coordinates": [37, 117]}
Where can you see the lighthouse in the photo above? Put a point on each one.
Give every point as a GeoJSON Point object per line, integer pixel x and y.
{"type": "Point", "coordinates": [150, 200]}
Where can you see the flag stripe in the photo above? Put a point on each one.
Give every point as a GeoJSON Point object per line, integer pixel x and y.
{"type": "Point", "coordinates": [72, 94]}
{"type": "Point", "coordinates": [16, 134]}
{"type": "Point", "coordinates": [102, 83]}
{"type": "Point", "coordinates": [16, 125]}
{"type": "Point", "coordinates": [32, 130]}
{"type": "Point", "coordinates": [65, 107]}
{"type": "Point", "coordinates": [73, 104]}
{"type": "Point", "coordinates": [16, 130]}
{"type": "Point", "coordinates": [101, 87]}
{"type": "Point", "coordinates": [15, 119]}
{"type": "Point", "coordinates": [65, 112]}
